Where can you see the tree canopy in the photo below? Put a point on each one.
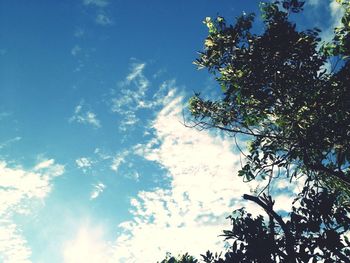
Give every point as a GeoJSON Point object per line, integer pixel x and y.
{"type": "Point", "coordinates": [281, 88]}
{"type": "Point", "coordinates": [289, 92]}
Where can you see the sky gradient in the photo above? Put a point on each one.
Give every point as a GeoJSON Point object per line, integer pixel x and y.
{"type": "Point", "coordinates": [95, 162]}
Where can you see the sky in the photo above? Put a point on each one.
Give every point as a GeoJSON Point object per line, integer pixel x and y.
{"type": "Point", "coordinates": [95, 162]}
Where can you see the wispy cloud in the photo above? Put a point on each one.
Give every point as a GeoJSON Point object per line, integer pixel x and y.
{"type": "Point", "coordinates": [75, 50]}
{"type": "Point", "coordinates": [140, 85]}
{"type": "Point", "coordinates": [10, 141]}
{"type": "Point", "coordinates": [84, 163]}
{"type": "Point", "coordinates": [136, 72]}
{"type": "Point", "coordinates": [98, 189]}
{"type": "Point", "coordinates": [118, 160]}
{"type": "Point", "coordinates": [79, 32]}
{"type": "Point", "coordinates": [85, 116]}
{"type": "Point", "coordinates": [125, 161]}
{"type": "Point", "coordinates": [131, 96]}
{"type": "Point", "coordinates": [98, 3]}
{"type": "Point", "coordinates": [134, 94]}
{"type": "Point", "coordinates": [81, 55]}
{"type": "Point", "coordinates": [44, 164]}
{"type": "Point", "coordinates": [103, 20]}
{"type": "Point", "coordinates": [101, 154]}
{"type": "Point", "coordinates": [19, 190]}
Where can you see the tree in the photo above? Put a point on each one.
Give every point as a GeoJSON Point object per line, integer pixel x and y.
{"type": "Point", "coordinates": [289, 92]}
{"type": "Point", "coordinates": [278, 90]}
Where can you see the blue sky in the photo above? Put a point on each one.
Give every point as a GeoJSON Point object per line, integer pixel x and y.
{"type": "Point", "coordinates": [95, 164]}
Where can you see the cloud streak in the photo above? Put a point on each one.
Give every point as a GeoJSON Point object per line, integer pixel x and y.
{"type": "Point", "coordinates": [9, 142]}
{"type": "Point", "coordinates": [85, 116]}
{"type": "Point", "coordinates": [135, 95]}
{"type": "Point", "coordinates": [131, 97]}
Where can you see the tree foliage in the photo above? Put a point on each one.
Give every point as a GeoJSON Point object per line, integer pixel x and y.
{"type": "Point", "coordinates": [289, 92]}
{"type": "Point", "coordinates": [314, 232]}
{"type": "Point", "coordinates": [278, 89]}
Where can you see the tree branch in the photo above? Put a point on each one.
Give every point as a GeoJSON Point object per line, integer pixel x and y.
{"type": "Point", "coordinates": [337, 174]}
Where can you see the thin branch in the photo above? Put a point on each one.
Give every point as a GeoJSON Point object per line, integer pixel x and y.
{"type": "Point", "coordinates": [337, 174]}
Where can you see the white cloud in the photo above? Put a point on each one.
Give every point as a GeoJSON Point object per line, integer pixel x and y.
{"type": "Point", "coordinates": [83, 162]}
{"type": "Point", "coordinates": [131, 98]}
{"type": "Point", "coordinates": [13, 247]}
{"type": "Point", "coordinates": [121, 159]}
{"type": "Point", "coordinates": [98, 3]}
{"type": "Point", "coordinates": [118, 160]}
{"type": "Point", "coordinates": [85, 116]}
{"type": "Point", "coordinates": [19, 190]}
{"type": "Point", "coordinates": [136, 71]}
{"type": "Point", "coordinates": [98, 189]}
{"type": "Point", "coordinates": [190, 215]}
{"type": "Point", "coordinates": [101, 154]}
{"type": "Point", "coordinates": [44, 164]}
{"type": "Point", "coordinates": [134, 95]}
{"type": "Point", "coordinates": [103, 19]}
